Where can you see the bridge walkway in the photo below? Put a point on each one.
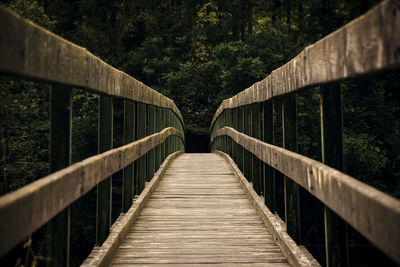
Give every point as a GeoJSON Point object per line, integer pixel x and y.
{"type": "Point", "coordinates": [199, 214]}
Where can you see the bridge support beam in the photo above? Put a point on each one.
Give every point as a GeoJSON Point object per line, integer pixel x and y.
{"type": "Point", "coordinates": [141, 133]}
{"type": "Point", "coordinates": [236, 126]}
{"type": "Point", "coordinates": [240, 129]}
{"type": "Point", "coordinates": [269, 172]}
{"type": "Point", "coordinates": [279, 179]}
{"type": "Point", "coordinates": [291, 189]}
{"type": "Point", "coordinates": [150, 130]}
{"type": "Point", "coordinates": [104, 188]}
{"type": "Point", "coordinates": [248, 157]}
{"type": "Point", "coordinates": [230, 124]}
{"type": "Point", "coordinates": [158, 129]}
{"type": "Point", "coordinates": [58, 228]}
{"type": "Point", "coordinates": [128, 173]}
{"type": "Point", "coordinates": [336, 243]}
{"type": "Point", "coordinates": [163, 126]}
{"type": "Point", "coordinates": [255, 122]}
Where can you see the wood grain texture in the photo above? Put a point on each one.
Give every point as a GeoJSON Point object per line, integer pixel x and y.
{"type": "Point", "coordinates": [199, 215]}
{"type": "Point", "coordinates": [368, 44]}
{"type": "Point", "coordinates": [102, 255]}
{"type": "Point", "coordinates": [30, 51]}
{"type": "Point", "coordinates": [33, 205]}
{"type": "Point", "coordinates": [296, 255]}
{"type": "Point", "coordinates": [373, 213]}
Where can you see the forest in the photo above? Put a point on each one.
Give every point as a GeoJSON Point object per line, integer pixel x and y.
{"type": "Point", "coordinates": [196, 52]}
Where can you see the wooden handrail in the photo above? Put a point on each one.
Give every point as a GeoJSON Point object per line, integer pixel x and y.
{"type": "Point", "coordinates": [25, 210]}
{"type": "Point", "coordinates": [366, 45]}
{"type": "Point", "coordinates": [30, 51]}
{"type": "Point", "coordinates": [373, 213]}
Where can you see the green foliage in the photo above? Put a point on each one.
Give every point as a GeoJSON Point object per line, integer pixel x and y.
{"type": "Point", "coordinates": [198, 53]}
{"type": "Point", "coordinates": [34, 11]}
{"type": "Point", "coordinates": [24, 133]}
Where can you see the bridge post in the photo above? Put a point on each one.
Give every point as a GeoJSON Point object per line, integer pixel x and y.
{"type": "Point", "coordinates": [336, 243]}
{"type": "Point", "coordinates": [248, 157]}
{"type": "Point", "coordinates": [269, 172]}
{"type": "Point", "coordinates": [236, 126]}
{"type": "Point", "coordinates": [158, 129]}
{"type": "Point", "coordinates": [278, 138]}
{"type": "Point", "coordinates": [175, 137]}
{"type": "Point", "coordinates": [104, 193]}
{"type": "Point", "coordinates": [168, 141]}
{"type": "Point", "coordinates": [240, 129]}
{"type": "Point", "coordinates": [255, 121]}
{"type": "Point", "coordinates": [291, 189]}
{"type": "Point", "coordinates": [128, 172]}
{"type": "Point", "coordinates": [230, 124]}
{"type": "Point", "coordinates": [222, 137]}
{"type": "Point", "coordinates": [141, 133]}
{"type": "Point", "coordinates": [172, 124]}
{"type": "Point", "coordinates": [151, 130]}
{"type": "Point", "coordinates": [58, 228]}
{"type": "Point", "coordinates": [162, 126]}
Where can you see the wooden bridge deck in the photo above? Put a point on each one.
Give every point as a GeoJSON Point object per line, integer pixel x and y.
{"type": "Point", "coordinates": [199, 215]}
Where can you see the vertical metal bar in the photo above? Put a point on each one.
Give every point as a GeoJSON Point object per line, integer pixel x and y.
{"type": "Point", "coordinates": [104, 193]}
{"type": "Point", "coordinates": [58, 228]}
{"type": "Point", "coordinates": [129, 137]}
{"type": "Point", "coordinates": [255, 120]}
{"type": "Point", "coordinates": [141, 133]}
{"type": "Point", "coordinates": [336, 243]}
{"type": "Point", "coordinates": [269, 173]}
{"type": "Point", "coordinates": [292, 193]}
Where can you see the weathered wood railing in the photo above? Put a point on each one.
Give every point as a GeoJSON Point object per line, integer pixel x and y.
{"type": "Point", "coordinates": [153, 129]}
{"type": "Point", "coordinates": [243, 127]}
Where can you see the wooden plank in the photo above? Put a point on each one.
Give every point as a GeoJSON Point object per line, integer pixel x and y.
{"type": "Point", "coordinates": [30, 51]}
{"type": "Point", "coordinates": [373, 213]}
{"type": "Point", "coordinates": [33, 205]}
{"type": "Point", "coordinates": [189, 219]}
{"type": "Point", "coordinates": [366, 45]}
{"type": "Point", "coordinates": [101, 256]}
{"type": "Point", "coordinates": [296, 255]}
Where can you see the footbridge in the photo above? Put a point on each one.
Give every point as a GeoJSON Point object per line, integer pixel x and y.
{"type": "Point", "coordinates": [247, 203]}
